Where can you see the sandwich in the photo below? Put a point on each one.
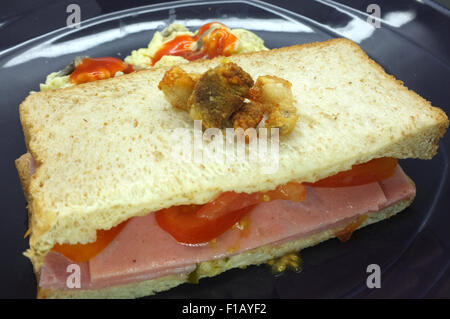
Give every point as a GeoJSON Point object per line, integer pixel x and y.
{"type": "Point", "coordinates": [110, 202]}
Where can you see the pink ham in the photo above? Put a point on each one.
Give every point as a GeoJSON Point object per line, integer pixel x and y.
{"type": "Point", "coordinates": [397, 188]}
{"type": "Point", "coordinates": [144, 251]}
{"type": "Point", "coordinates": [55, 271]}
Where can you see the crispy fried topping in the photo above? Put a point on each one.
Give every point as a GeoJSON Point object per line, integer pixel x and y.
{"type": "Point", "coordinates": [225, 95]}
{"type": "Point", "coordinates": [249, 115]}
{"type": "Point", "coordinates": [218, 94]}
{"type": "Point", "coordinates": [177, 85]}
{"type": "Point", "coordinates": [276, 97]}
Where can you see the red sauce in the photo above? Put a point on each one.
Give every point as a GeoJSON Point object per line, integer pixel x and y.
{"type": "Point", "coordinates": [93, 69]}
{"type": "Point", "coordinates": [219, 42]}
{"type": "Point", "coordinates": [179, 46]}
{"type": "Point", "coordinates": [205, 27]}
{"type": "Point", "coordinates": [346, 233]}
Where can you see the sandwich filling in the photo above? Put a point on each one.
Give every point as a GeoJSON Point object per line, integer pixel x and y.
{"type": "Point", "coordinates": [143, 250]}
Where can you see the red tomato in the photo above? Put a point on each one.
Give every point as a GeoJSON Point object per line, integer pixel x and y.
{"type": "Point", "coordinates": [186, 226]}
{"type": "Point", "coordinates": [201, 223]}
{"type": "Point", "coordinates": [93, 69]}
{"type": "Point", "coordinates": [83, 252]}
{"type": "Point", "coordinates": [372, 171]}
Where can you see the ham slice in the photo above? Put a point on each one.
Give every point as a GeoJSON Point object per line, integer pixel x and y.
{"type": "Point", "coordinates": [55, 271]}
{"type": "Point", "coordinates": [144, 251]}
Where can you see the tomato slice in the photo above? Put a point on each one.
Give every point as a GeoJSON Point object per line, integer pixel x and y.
{"type": "Point", "coordinates": [186, 226]}
{"type": "Point", "coordinates": [84, 252]}
{"type": "Point", "coordinates": [196, 224]}
{"type": "Point", "coordinates": [93, 69]}
{"type": "Point", "coordinates": [372, 171]}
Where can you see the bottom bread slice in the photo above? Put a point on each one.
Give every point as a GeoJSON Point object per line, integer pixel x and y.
{"type": "Point", "coordinates": [212, 268]}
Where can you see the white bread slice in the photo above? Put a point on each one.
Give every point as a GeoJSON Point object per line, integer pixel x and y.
{"type": "Point", "coordinates": [103, 149]}
{"type": "Point", "coordinates": [212, 268]}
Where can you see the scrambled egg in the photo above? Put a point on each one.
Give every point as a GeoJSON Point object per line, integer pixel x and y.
{"type": "Point", "coordinates": [248, 41]}
{"type": "Point", "coordinates": [55, 81]}
{"type": "Point", "coordinates": [141, 58]}
{"type": "Point", "coordinates": [170, 60]}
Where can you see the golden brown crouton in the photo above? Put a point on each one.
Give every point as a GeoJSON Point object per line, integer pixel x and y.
{"type": "Point", "coordinates": [249, 115]}
{"type": "Point", "coordinates": [218, 94]}
{"type": "Point", "coordinates": [177, 85]}
{"type": "Point", "coordinates": [276, 96]}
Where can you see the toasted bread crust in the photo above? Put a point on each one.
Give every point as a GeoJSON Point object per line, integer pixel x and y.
{"type": "Point", "coordinates": [24, 166]}
{"type": "Point", "coordinates": [111, 139]}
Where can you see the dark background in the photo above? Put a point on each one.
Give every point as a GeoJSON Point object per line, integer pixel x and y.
{"type": "Point", "coordinates": [412, 248]}
{"type": "Point", "coordinates": [40, 16]}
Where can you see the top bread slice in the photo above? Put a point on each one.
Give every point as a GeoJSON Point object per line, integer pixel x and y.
{"type": "Point", "coordinates": [104, 149]}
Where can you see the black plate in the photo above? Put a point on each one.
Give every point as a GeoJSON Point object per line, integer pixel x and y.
{"type": "Point", "coordinates": [412, 249]}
